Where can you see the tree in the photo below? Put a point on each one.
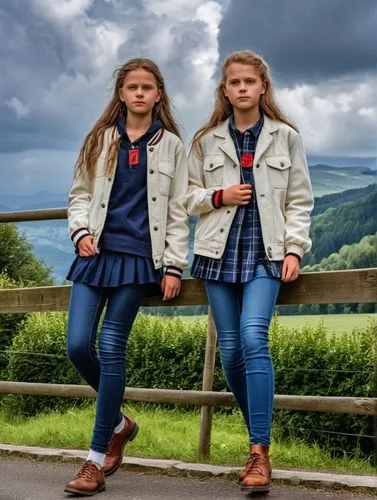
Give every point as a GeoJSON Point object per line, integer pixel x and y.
{"type": "Point", "coordinates": [343, 224]}
{"type": "Point", "coordinates": [18, 261]}
{"type": "Point", "coordinates": [331, 309]}
{"type": "Point", "coordinates": [8, 324]}
{"type": "Point", "coordinates": [356, 256]}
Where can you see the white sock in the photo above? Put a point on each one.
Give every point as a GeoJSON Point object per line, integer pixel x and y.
{"type": "Point", "coordinates": [121, 425]}
{"type": "Point", "coordinates": [97, 458]}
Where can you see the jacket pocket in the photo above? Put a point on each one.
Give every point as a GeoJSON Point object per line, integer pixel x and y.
{"type": "Point", "coordinates": [278, 170]}
{"type": "Point", "coordinates": [210, 227]}
{"type": "Point", "coordinates": [213, 168]}
{"type": "Point", "coordinates": [165, 176]}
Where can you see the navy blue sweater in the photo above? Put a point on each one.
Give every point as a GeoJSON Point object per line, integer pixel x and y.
{"type": "Point", "coordinates": [127, 223]}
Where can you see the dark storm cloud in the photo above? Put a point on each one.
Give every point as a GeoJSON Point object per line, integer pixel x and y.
{"type": "Point", "coordinates": [50, 62]}
{"type": "Point", "coordinates": [31, 56]}
{"type": "Point", "coordinates": [57, 59]}
{"type": "Point", "coordinates": [304, 40]}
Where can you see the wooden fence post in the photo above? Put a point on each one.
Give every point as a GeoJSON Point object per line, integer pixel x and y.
{"type": "Point", "coordinates": [208, 375]}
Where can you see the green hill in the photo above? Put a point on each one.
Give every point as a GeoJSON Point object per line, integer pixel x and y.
{"type": "Point", "coordinates": [343, 225]}
{"type": "Point", "coordinates": [356, 256]}
{"type": "Point", "coordinates": [321, 204]}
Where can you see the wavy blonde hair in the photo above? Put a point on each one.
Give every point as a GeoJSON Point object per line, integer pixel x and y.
{"type": "Point", "coordinates": [223, 109]}
{"type": "Point", "coordinates": [93, 142]}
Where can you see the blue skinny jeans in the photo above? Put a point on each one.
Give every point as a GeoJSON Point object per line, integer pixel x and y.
{"type": "Point", "coordinates": [105, 371]}
{"type": "Point", "coordinates": [242, 315]}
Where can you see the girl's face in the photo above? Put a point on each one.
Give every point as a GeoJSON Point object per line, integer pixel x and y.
{"type": "Point", "coordinates": [139, 91]}
{"type": "Point", "coordinates": [243, 86]}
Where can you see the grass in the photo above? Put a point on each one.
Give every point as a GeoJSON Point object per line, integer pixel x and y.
{"type": "Point", "coordinates": [173, 434]}
{"type": "Point", "coordinates": [333, 322]}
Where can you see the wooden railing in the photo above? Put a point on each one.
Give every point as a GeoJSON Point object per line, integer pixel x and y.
{"type": "Point", "coordinates": [356, 286]}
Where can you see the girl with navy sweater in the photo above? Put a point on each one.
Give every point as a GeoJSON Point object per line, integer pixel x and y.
{"type": "Point", "coordinates": [249, 186]}
{"type": "Point", "coordinates": [128, 222]}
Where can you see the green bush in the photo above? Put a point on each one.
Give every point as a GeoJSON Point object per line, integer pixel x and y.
{"type": "Point", "coordinates": [169, 353]}
{"type": "Point", "coordinates": [311, 361]}
{"type": "Point", "coordinates": [38, 354]}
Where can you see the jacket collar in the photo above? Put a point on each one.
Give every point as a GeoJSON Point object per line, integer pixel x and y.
{"type": "Point", "coordinates": [113, 135]}
{"type": "Point", "coordinates": [222, 130]}
{"type": "Point", "coordinates": [264, 140]}
{"type": "Point", "coordinates": [148, 137]}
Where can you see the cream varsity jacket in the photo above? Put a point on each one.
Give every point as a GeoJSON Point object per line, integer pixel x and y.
{"type": "Point", "coordinates": [167, 180]}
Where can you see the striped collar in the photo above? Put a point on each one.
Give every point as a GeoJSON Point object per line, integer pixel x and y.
{"type": "Point", "coordinates": [152, 136]}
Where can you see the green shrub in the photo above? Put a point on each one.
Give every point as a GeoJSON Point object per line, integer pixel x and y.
{"type": "Point", "coordinates": [169, 353]}
{"type": "Point", "coordinates": [311, 361]}
{"type": "Point", "coordinates": [38, 354]}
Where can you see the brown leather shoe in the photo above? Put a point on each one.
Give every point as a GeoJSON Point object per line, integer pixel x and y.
{"type": "Point", "coordinates": [89, 481]}
{"type": "Point", "coordinates": [243, 472]}
{"type": "Point", "coordinates": [114, 454]}
{"type": "Point", "coordinates": [258, 470]}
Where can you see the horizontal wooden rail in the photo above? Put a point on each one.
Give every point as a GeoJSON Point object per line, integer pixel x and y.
{"type": "Point", "coordinates": [361, 406]}
{"type": "Point", "coordinates": [332, 287]}
{"type": "Point", "coordinates": [33, 215]}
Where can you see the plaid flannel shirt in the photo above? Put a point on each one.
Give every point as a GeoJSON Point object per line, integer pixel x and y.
{"type": "Point", "coordinates": [244, 248]}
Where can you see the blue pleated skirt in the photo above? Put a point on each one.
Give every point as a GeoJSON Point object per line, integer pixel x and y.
{"type": "Point", "coordinates": [112, 269]}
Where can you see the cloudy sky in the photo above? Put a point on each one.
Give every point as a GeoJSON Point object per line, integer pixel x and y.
{"type": "Point", "coordinates": [57, 58]}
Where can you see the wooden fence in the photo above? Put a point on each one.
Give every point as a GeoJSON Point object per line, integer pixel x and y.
{"type": "Point", "coordinates": [356, 286]}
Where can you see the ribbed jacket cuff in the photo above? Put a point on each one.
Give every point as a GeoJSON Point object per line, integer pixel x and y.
{"type": "Point", "coordinates": [295, 254]}
{"type": "Point", "coordinates": [295, 249]}
{"type": "Point", "coordinates": [79, 234]}
{"type": "Point", "coordinates": [217, 198]}
{"type": "Point", "coordinates": [174, 271]}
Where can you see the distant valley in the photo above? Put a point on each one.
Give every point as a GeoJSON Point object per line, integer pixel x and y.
{"type": "Point", "coordinates": [327, 179]}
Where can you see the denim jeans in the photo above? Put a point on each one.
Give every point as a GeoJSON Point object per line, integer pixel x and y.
{"type": "Point", "coordinates": [242, 315]}
{"type": "Point", "coordinates": [105, 372]}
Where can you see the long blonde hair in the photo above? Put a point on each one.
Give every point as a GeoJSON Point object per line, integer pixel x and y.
{"type": "Point", "coordinates": [223, 109]}
{"type": "Point", "coordinates": [93, 142]}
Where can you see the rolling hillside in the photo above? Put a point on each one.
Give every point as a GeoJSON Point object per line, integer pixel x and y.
{"type": "Point", "coordinates": [321, 204]}
{"type": "Point", "coordinates": [343, 225]}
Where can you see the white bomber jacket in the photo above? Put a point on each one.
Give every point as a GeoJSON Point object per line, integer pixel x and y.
{"type": "Point", "coordinates": [167, 178]}
{"type": "Point", "coordinates": [281, 185]}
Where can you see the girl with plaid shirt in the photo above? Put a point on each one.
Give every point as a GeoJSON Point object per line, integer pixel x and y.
{"type": "Point", "coordinates": [249, 186]}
